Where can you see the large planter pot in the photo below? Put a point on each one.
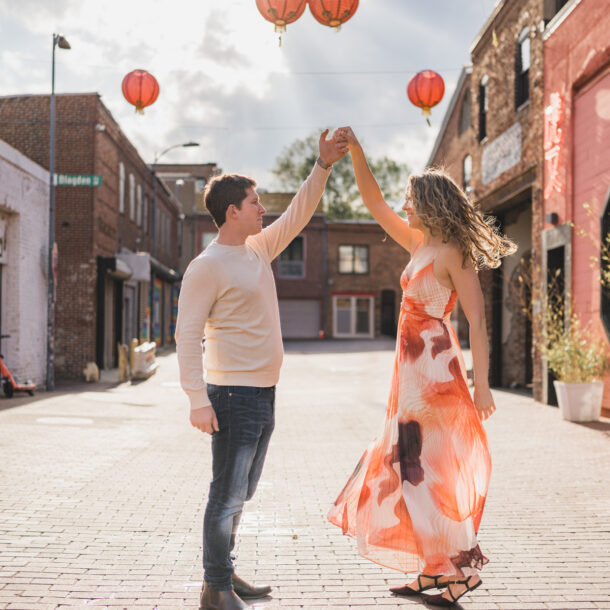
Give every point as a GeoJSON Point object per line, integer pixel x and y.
{"type": "Point", "coordinates": [580, 401]}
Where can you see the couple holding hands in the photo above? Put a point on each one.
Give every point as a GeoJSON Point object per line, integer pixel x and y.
{"type": "Point", "coordinates": [415, 499]}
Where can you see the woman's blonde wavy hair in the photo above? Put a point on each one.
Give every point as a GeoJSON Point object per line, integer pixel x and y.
{"type": "Point", "coordinates": [444, 209]}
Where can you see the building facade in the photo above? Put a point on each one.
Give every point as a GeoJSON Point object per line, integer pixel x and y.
{"type": "Point", "coordinates": [364, 268]}
{"type": "Point", "coordinates": [577, 161]}
{"type": "Point", "coordinates": [490, 142]}
{"type": "Point", "coordinates": [24, 255]}
{"type": "Point", "coordinates": [117, 242]}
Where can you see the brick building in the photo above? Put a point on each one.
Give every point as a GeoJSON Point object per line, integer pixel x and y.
{"type": "Point", "coordinates": [490, 142]}
{"type": "Point", "coordinates": [577, 163]}
{"type": "Point", "coordinates": [187, 182]}
{"type": "Point", "coordinates": [116, 280]}
{"type": "Point", "coordinates": [24, 239]}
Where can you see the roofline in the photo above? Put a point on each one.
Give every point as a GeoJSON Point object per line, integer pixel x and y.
{"type": "Point", "coordinates": [171, 198]}
{"type": "Point", "coordinates": [497, 9]}
{"type": "Point", "coordinates": [466, 71]}
{"type": "Point", "coordinates": [15, 95]}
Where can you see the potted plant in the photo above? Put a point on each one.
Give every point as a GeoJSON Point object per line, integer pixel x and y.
{"type": "Point", "coordinates": [578, 358]}
{"type": "Point", "coordinates": [576, 354]}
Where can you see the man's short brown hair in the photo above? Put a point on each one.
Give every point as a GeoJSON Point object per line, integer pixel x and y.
{"type": "Point", "coordinates": [222, 191]}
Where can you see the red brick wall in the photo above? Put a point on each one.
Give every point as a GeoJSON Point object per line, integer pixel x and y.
{"type": "Point", "coordinates": [577, 66]}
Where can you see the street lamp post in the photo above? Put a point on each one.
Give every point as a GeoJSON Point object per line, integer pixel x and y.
{"type": "Point", "coordinates": [153, 219]}
{"type": "Point", "coordinates": [62, 43]}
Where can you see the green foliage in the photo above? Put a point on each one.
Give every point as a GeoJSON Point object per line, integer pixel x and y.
{"type": "Point", "coordinates": [574, 353]}
{"type": "Point", "coordinates": [341, 197]}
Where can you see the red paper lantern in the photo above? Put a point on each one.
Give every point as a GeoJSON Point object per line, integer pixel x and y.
{"type": "Point", "coordinates": [281, 12]}
{"type": "Point", "coordinates": [141, 89]}
{"type": "Point", "coordinates": [333, 12]}
{"type": "Point", "coordinates": [426, 89]}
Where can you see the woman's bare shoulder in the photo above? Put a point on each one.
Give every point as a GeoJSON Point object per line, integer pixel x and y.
{"type": "Point", "coordinates": [451, 256]}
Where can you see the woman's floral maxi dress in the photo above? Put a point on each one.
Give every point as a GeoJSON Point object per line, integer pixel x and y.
{"type": "Point", "coordinates": [415, 500]}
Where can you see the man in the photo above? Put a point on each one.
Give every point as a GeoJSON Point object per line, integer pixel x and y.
{"type": "Point", "coordinates": [228, 294]}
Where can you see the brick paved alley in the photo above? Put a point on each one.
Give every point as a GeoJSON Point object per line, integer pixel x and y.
{"type": "Point", "coordinates": [103, 487]}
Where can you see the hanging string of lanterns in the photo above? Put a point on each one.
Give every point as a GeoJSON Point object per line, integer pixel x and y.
{"type": "Point", "coordinates": [331, 13]}
{"type": "Point", "coordinates": [425, 90]}
{"type": "Point", "coordinates": [141, 89]}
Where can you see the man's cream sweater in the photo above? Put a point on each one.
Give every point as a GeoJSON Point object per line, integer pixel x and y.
{"type": "Point", "coordinates": [228, 295]}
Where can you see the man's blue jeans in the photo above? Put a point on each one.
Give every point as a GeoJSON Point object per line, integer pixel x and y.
{"type": "Point", "coordinates": [246, 418]}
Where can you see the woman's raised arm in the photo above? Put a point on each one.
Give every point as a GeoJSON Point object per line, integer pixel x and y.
{"type": "Point", "coordinates": [373, 199]}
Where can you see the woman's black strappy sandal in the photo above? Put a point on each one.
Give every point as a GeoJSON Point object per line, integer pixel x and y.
{"type": "Point", "coordinates": [407, 591]}
{"type": "Point", "coordinates": [439, 600]}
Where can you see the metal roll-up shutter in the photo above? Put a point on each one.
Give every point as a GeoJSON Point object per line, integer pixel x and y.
{"type": "Point", "coordinates": [300, 318]}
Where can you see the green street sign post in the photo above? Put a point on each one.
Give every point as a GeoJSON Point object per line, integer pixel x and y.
{"type": "Point", "coordinates": [78, 180]}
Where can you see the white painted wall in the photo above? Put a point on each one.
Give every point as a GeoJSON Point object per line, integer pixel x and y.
{"type": "Point", "coordinates": [24, 206]}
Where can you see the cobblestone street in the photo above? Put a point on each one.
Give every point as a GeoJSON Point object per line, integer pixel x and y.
{"type": "Point", "coordinates": [103, 489]}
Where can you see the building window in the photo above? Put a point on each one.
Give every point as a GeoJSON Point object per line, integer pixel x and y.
{"type": "Point", "coordinates": [132, 197]}
{"type": "Point", "coordinates": [353, 315]}
{"type": "Point", "coordinates": [605, 267]}
{"type": "Point", "coordinates": [145, 214]}
{"type": "Point", "coordinates": [483, 106]}
{"type": "Point", "coordinates": [467, 172]}
{"type": "Point", "coordinates": [522, 68]}
{"type": "Point", "coordinates": [121, 188]}
{"type": "Point", "coordinates": [139, 208]}
{"type": "Point", "coordinates": [465, 111]}
{"type": "Point", "coordinates": [207, 239]}
{"type": "Point", "coordinates": [292, 259]}
{"type": "Point", "coordinates": [552, 7]}
{"type": "Point", "coordinates": [354, 259]}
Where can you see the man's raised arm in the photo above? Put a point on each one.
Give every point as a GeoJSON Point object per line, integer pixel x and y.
{"type": "Point", "coordinates": [276, 237]}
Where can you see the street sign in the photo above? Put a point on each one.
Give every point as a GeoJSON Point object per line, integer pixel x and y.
{"type": "Point", "coordinates": [78, 180]}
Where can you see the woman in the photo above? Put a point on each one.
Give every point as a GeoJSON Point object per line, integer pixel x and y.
{"type": "Point", "coordinates": [415, 500]}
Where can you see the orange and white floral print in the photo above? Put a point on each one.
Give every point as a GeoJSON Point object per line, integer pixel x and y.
{"type": "Point", "coordinates": [415, 500]}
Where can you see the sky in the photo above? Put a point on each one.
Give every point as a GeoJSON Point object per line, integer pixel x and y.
{"type": "Point", "coordinates": [226, 83]}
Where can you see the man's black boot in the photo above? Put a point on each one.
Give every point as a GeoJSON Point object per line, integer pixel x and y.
{"type": "Point", "coordinates": [219, 600]}
{"type": "Point", "coordinates": [247, 591]}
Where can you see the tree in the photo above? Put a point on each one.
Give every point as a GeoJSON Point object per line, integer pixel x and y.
{"type": "Point", "coordinates": [341, 197]}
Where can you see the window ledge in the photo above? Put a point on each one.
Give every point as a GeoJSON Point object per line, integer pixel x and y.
{"type": "Point", "coordinates": [524, 106]}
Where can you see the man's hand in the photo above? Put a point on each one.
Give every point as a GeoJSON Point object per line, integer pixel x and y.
{"type": "Point", "coordinates": [332, 150]}
{"type": "Point", "coordinates": [204, 419]}
{"type": "Point", "coordinates": [348, 134]}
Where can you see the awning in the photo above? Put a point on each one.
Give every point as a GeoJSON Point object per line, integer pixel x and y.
{"type": "Point", "coordinates": [121, 271]}
{"type": "Point", "coordinates": [139, 263]}
{"type": "Point", "coordinates": [161, 270]}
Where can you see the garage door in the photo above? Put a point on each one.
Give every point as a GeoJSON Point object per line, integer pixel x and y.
{"type": "Point", "coordinates": [300, 318]}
